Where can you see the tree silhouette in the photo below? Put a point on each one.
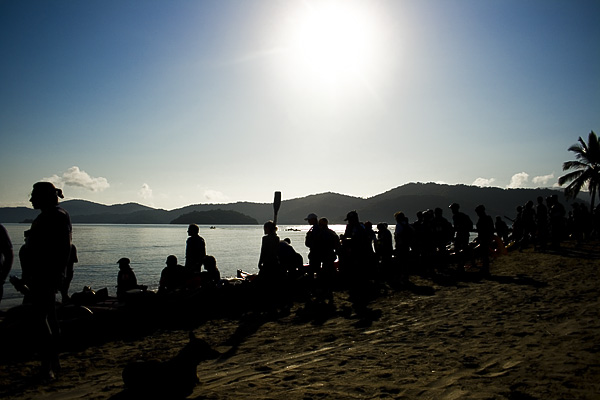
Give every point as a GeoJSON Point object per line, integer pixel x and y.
{"type": "Point", "coordinates": [586, 168]}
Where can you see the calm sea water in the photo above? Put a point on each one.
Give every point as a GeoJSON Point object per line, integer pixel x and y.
{"type": "Point", "coordinates": [147, 246]}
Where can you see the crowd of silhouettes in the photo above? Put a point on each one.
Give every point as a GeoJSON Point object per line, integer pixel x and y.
{"type": "Point", "coordinates": [429, 244]}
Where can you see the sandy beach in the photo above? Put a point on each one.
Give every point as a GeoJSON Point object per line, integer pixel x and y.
{"type": "Point", "coordinates": [530, 331]}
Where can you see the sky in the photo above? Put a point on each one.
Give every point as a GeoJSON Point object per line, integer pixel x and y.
{"type": "Point", "coordinates": [172, 103]}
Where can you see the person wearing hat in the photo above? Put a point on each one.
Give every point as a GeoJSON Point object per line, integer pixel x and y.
{"type": "Point", "coordinates": [172, 277]}
{"type": "Point", "coordinates": [47, 252]}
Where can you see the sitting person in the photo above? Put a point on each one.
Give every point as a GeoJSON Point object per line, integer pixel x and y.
{"type": "Point", "coordinates": [291, 261]}
{"type": "Point", "coordinates": [126, 279]}
{"type": "Point", "coordinates": [173, 277]}
{"type": "Point", "coordinates": [211, 276]}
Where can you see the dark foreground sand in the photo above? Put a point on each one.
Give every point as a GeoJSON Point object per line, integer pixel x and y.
{"type": "Point", "coordinates": [531, 331]}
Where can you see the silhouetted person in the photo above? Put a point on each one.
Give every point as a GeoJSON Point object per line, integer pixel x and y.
{"type": "Point", "coordinates": [310, 241]}
{"type": "Point", "coordinates": [195, 250]}
{"type": "Point", "coordinates": [211, 277]}
{"type": "Point", "coordinates": [356, 247]}
{"type": "Point", "coordinates": [126, 279]}
{"type": "Point", "coordinates": [46, 254]}
{"type": "Point", "coordinates": [517, 226]}
{"type": "Point", "coordinates": [64, 290]}
{"type": "Point", "coordinates": [529, 229]}
{"type": "Point", "coordinates": [442, 230]}
{"type": "Point", "coordinates": [462, 227]}
{"type": "Point", "coordinates": [403, 235]}
{"type": "Point", "coordinates": [384, 247]}
{"type": "Point", "coordinates": [269, 269]}
{"type": "Point", "coordinates": [501, 229]}
{"type": "Point", "coordinates": [557, 220]}
{"type": "Point", "coordinates": [6, 257]}
{"type": "Point", "coordinates": [173, 277]}
{"type": "Point", "coordinates": [327, 247]}
{"type": "Point", "coordinates": [541, 214]}
{"type": "Point", "coordinates": [291, 261]}
{"type": "Point", "coordinates": [485, 235]}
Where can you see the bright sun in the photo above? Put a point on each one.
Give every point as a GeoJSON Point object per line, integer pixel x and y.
{"type": "Point", "coordinates": [333, 43]}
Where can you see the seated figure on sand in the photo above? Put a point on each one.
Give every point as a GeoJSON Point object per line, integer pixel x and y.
{"type": "Point", "coordinates": [173, 277]}
{"type": "Point", "coordinates": [291, 261]}
{"type": "Point", "coordinates": [126, 279]}
{"type": "Point", "coordinates": [211, 276]}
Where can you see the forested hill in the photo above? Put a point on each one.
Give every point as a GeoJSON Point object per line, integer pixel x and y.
{"type": "Point", "coordinates": [408, 198]}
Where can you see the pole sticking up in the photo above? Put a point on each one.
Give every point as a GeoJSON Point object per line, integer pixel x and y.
{"type": "Point", "coordinates": [276, 205]}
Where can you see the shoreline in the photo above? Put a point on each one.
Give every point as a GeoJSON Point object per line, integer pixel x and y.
{"type": "Point", "coordinates": [530, 331]}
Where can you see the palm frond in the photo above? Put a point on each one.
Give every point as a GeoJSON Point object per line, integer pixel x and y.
{"type": "Point", "coordinates": [571, 176]}
{"type": "Point", "coordinates": [567, 165]}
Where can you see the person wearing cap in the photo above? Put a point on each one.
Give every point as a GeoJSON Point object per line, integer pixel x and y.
{"type": "Point", "coordinates": [172, 277]}
{"type": "Point", "coordinates": [47, 252]}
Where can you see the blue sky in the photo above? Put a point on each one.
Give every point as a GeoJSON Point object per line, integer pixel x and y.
{"type": "Point", "coordinates": [171, 103]}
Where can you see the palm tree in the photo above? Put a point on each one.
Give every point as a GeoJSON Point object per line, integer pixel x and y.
{"type": "Point", "coordinates": [586, 168]}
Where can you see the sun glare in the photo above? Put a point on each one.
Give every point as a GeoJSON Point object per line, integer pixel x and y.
{"type": "Point", "coordinates": [332, 43]}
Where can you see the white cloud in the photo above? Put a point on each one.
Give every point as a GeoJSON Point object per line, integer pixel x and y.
{"type": "Point", "coordinates": [145, 192]}
{"type": "Point", "coordinates": [518, 180]}
{"type": "Point", "coordinates": [543, 180]}
{"type": "Point", "coordinates": [78, 178]}
{"type": "Point", "coordinates": [484, 181]}
{"type": "Point", "coordinates": [215, 196]}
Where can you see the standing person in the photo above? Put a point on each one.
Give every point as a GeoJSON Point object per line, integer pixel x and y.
{"type": "Point", "coordinates": [195, 250]}
{"type": "Point", "coordinates": [558, 225]}
{"type": "Point", "coordinates": [6, 257]}
{"type": "Point", "coordinates": [327, 247]}
{"type": "Point", "coordinates": [403, 236]}
{"type": "Point", "coordinates": [485, 236]}
{"type": "Point", "coordinates": [462, 227]}
{"type": "Point", "coordinates": [268, 262]}
{"type": "Point", "coordinates": [48, 249]}
{"type": "Point", "coordinates": [442, 230]}
{"type": "Point", "coordinates": [384, 248]}
{"type": "Point", "coordinates": [528, 218]}
{"type": "Point", "coordinates": [310, 241]}
{"type": "Point", "coordinates": [357, 247]}
{"type": "Point", "coordinates": [501, 229]}
{"type": "Point", "coordinates": [541, 214]}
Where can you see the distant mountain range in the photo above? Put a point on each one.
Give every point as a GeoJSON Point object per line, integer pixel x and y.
{"type": "Point", "coordinates": [408, 198]}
